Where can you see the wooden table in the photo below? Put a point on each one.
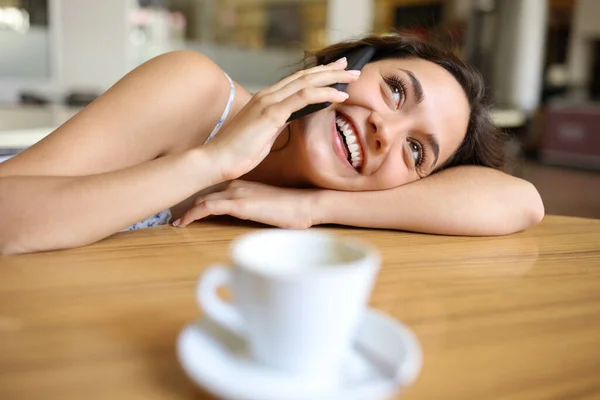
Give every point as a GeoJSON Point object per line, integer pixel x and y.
{"type": "Point", "coordinates": [515, 317]}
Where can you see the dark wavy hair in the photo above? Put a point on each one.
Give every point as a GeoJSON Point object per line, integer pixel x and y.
{"type": "Point", "coordinates": [483, 143]}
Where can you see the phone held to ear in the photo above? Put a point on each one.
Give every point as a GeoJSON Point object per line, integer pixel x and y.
{"type": "Point", "coordinates": [357, 59]}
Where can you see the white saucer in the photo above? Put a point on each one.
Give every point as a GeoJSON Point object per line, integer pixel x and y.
{"type": "Point", "coordinates": [386, 356]}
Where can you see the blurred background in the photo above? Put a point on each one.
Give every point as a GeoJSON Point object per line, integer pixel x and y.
{"type": "Point", "coordinates": [541, 59]}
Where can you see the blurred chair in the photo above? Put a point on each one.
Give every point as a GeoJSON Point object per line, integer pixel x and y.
{"type": "Point", "coordinates": [80, 99]}
{"type": "Point", "coordinates": [33, 99]}
{"type": "Point", "coordinates": [571, 135]}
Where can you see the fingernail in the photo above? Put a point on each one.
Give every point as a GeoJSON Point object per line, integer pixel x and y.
{"type": "Point", "coordinates": [341, 60]}
{"type": "Point", "coordinates": [354, 72]}
{"type": "Point", "coordinates": [176, 222]}
{"type": "Point", "coordinates": [343, 94]}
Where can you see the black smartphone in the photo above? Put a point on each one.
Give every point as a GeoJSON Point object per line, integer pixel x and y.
{"type": "Point", "coordinates": [357, 59]}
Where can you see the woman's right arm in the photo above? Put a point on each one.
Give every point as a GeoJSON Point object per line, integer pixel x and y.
{"type": "Point", "coordinates": [54, 212]}
{"type": "Point", "coordinates": [123, 158]}
{"type": "Point", "coordinates": [76, 186]}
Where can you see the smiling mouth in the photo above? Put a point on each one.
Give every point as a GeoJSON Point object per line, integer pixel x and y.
{"type": "Point", "coordinates": [350, 141]}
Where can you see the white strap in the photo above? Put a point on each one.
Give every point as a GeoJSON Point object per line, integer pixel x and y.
{"type": "Point", "coordinates": [225, 112]}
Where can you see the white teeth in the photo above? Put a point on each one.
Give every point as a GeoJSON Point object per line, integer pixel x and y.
{"type": "Point", "coordinates": [351, 142]}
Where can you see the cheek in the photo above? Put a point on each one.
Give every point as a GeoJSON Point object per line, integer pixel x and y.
{"type": "Point", "coordinates": [316, 124]}
{"type": "Point", "coordinates": [361, 91]}
{"type": "Point", "coordinates": [313, 145]}
{"type": "Point", "coordinates": [314, 134]}
{"type": "Point", "coordinates": [305, 132]}
{"type": "Point", "coordinates": [393, 173]}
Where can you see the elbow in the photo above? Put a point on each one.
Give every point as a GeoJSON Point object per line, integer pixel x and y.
{"type": "Point", "coordinates": [523, 210]}
{"type": "Point", "coordinates": [7, 242]}
{"type": "Point", "coordinates": [536, 214]}
{"type": "Point", "coordinates": [10, 251]}
{"type": "Point", "coordinates": [534, 209]}
{"type": "Point", "coordinates": [16, 239]}
{"type": "Point", "coordinates": [11, 241]}
{"type": "Point", "coordinates": [21, 241]}
{"type": "Point", "coordinates": [10, 247]}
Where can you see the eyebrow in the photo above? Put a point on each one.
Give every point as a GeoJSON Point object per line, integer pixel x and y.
{"type": "Point", "coordinates": [416, 85]}
{"type": "Point", "coordinates": [419, 97]}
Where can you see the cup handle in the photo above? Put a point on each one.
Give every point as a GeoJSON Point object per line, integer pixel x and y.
{"type": "Point", "coordinates": [220, 311]}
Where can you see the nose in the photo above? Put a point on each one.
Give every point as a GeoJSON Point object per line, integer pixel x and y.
{"type": "Point", "coordinates": [381, 132]}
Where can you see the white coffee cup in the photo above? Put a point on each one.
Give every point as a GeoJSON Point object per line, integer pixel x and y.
{"type": "Point", "coordinates": [298, 297]}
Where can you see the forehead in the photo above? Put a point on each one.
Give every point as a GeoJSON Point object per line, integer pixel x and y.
{"type": "Point", "coordinates": [445, 110]}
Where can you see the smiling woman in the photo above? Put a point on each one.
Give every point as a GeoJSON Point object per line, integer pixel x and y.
{"type": "Point", "coordinates": [415, 110]}
{"type": "Point", "coordinates": [432, 96]}
{"type": "Point", "coordinates": [177, 139]}
{"type": "Point", "coordinates": [399, 137]}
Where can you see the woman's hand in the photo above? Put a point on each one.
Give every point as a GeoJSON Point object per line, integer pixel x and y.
{"type": "Point", "coordinates": [281, 207]}
{"type": "Point", "coordinates": [248, 138]}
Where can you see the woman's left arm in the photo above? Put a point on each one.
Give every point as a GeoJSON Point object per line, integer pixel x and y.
{"type": "Point", "coordinates": [466, 200]}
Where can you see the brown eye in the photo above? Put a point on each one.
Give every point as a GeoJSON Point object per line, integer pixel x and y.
{"type": "Point", "coordinates": [417, 152]}
{"type": "Point", "coordinates": [397, 89]}
{"type": "Point", "coordinates": [397, 95]}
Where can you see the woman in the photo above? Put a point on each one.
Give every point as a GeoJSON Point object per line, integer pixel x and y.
{"type": "Point", "coordinates": [176, 140]}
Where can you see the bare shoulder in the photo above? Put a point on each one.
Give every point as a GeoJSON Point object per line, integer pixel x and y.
{"type": "Point", "coordinates": [196, 69]}
{"type": "Point", "coordinates": [166, 105]}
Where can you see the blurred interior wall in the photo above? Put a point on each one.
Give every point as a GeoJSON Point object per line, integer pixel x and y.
{"type": "Point", "coordinates": [86, 48]}
{"type": "Point", "coordinates": [348, 19]}
{"type": "Point", "coordinates": [254, 69]}
{"type": "Point", "coordinates": [93, 42]}
{"type": "Point", "coordinates": [32, 47]}
{"type": "Point", "coordinates": [91, 47]}
{"type": "Point", "coordinates": [458, 10]}
{"type": "Point", "coordinates": [519, 57]}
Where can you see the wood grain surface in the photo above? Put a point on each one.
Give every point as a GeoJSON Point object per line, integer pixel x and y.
{"type": "Point", "coordinates": [513, 317]}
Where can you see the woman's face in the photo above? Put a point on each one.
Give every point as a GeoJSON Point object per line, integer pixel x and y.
{"type": "Point", "coordinates": [403, 119]}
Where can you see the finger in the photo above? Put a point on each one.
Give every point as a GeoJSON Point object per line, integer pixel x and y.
{"type": "Point", "coordinates": [339, 64]}
{"type": "Point", "coordinates": [225, 194]}
{"type": "Point", "coordinates": [234, 190]}
{"type": "Point", "coordinates": [249, 211]}
{"type": "Point", "coordinates": [206, 208]}
{"type": "Point", "coordinates": [238, 209]}
{"type": "Point", "coordinates": [319, 79]}
{"type": "Point", "coordinates": [224, 207]}
{"type": "Point", "coordinates": [279, 112]}
{"type": "Point", "coordinates": [193, 214]}
{"type": "Point", "coordinates": [214, 207]}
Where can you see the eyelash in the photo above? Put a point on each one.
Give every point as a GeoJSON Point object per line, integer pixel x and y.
{"type": "Point", "coordinates": [422, 153]}
{"type": "Point", "coordinates": [398, 83]}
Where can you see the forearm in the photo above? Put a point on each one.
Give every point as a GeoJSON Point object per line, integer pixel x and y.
{"type": "Point", "coordinates": [473, 201]}
{"type": "Point", "coordinates": [46, 213]}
